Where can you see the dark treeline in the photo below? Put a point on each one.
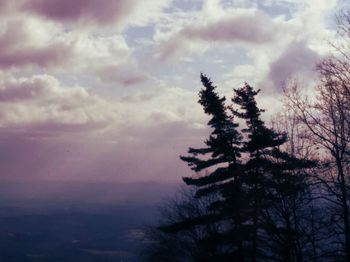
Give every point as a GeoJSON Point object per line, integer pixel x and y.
{"type": "Point", "coordinates": [261, 192]}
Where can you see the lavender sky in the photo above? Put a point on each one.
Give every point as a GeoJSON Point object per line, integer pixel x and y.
{"type": "Point", "coordinates": [107, 89]}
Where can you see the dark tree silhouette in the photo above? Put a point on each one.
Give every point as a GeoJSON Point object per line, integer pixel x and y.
{"type": "Point", "coordinates": [325, 122]}
{"type": "Point", "coordinates": [251, 189]}
{"type": "Point", "coordinates": [220, 160]}
{"type": "Point", "coordinates": [302, 209]}
{"type": "Point", "coordinates": [274, 180]}
{"type": "Point", "coordinates": [180, 245]}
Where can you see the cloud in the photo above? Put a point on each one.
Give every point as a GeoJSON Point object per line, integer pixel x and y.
{"type": "Point", "coordinates": [242, 26]}
{"type": "Point", "coordinates": [297, 59]}
{"type": "Point", "coordinates": [150, 128]}
{"type": "Point", "coordinates": [41, 104]}
{"type": "Point", "coordinates": [300, 42]}
{"type": "Point", "coordinates": [154, 155]}
{"type": "Point", "coordinates": [70, 131]}
{"type": "Point", "coordinates": [109, 58]}
{"type": "Point", "coordinates": [236, 26]}
{"type": "Point", "coordinates": [159, 105]}
{"type": "Point", "coordinates": [5, 6]}
{"type": "Point", "coordinates": [44, 57]}
{"type": "Point", "coordinates": [126, 74]}
{"type": "Point", "coordinates": [27, 43]}
{"type": "Point", "coordinates": [96, 12]}
{"type": "Point", "coordinates": [65, 10]}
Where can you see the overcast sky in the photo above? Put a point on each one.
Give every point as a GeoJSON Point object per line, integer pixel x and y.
{"type": "Point", "coordinates": [107, 90]}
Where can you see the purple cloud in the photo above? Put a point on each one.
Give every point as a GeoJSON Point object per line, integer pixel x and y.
{"type": "Point", "coordinates": [7, 6]}
{"type": "Point", "coordinates": [236, 27]}
{"type": "Point", "coordinates": [17, 48]}
{"type": "Point", "coordinates": [297, 58]}
{"type": "Point", "coordinates": [48, 56]}
{"type": "Point", "coordinates": [125, 74]}
{"type": "Point", "coordinates": [250, 27]}
{"type": "Point", "coordinates": [100, 12]}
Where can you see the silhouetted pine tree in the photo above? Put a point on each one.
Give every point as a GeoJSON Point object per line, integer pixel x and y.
{"type": "Point", "coordinates": [270, 179]}
{"type": "Point", "coordinates": [220, 160]}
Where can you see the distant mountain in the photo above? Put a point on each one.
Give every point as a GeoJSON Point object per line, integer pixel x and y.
{"type": "Point", "coordinates": [84, 192]}
{"type": "Point", "coordinates": [76, 221]}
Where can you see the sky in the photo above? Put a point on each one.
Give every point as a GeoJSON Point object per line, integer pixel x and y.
{"type": "Point", "coordinates": [107, 90]}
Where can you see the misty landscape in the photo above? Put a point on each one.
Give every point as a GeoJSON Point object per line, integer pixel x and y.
{"type": "Point", "coordinates": [75, 221]}
{"type": "Point", "coordinates": [174, 130]}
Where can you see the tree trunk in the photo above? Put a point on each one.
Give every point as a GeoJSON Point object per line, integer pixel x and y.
{"type": "Point", "coordinates": [345, 209]}
{"type": "Point", "coordinates": [255, 222]}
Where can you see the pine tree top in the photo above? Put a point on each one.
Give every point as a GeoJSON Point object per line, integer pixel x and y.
{"type": "Point", "coordinates": [259, 136]}
{"type": "Point", "coordinates": [222, 146]}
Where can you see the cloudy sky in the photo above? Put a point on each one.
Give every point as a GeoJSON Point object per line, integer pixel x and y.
{"type": "Point", "coordinates": [107, 90]}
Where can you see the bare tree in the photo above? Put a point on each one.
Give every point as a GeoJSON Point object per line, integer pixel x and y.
{"type": "Point", "coordinates": [301, 211]}
{"type": "Point", "coordinates": [325, 118]}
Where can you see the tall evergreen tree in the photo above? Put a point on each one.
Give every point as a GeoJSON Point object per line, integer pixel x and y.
{"type": "Point", "coordinates": [221, 161]}
{"type": "Point", "coordinates": [268, 174]}
{"type": "Point", "coordinates": [258, 144]}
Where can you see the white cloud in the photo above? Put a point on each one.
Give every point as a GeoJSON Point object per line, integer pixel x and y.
{"type": "Point", "coordinates": [234, 26]}
{"type": "Point", "coordinates": [41, 103]}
